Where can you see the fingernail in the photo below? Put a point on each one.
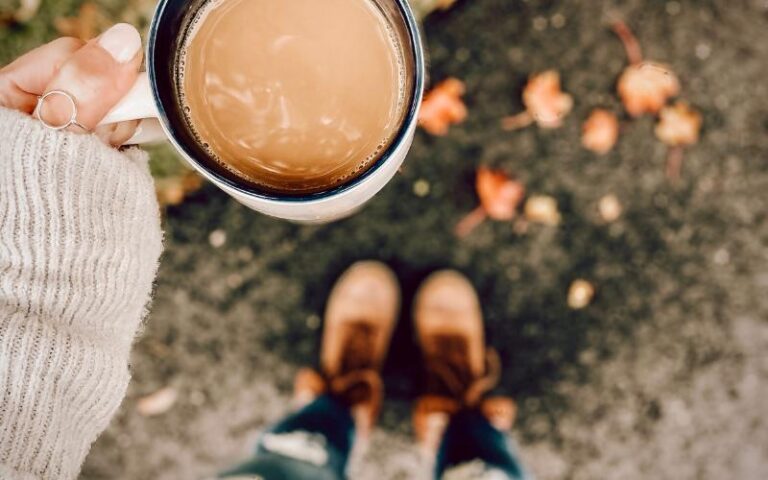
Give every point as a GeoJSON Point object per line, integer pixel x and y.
{"type": "Point", "coordinates": [122, 41]}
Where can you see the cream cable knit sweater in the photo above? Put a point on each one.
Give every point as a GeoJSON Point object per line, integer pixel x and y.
{"type": "Point", "coordinates": [79, 244]}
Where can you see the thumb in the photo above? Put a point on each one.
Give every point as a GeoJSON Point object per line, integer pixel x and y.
{"type": "Point", "coordinates": [96, 77]}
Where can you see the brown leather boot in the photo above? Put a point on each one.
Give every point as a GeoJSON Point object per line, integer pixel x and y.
{"type": "Point", "coordinates": [359, 318]}
{"type": "Point", "coordinates": [460, 370]}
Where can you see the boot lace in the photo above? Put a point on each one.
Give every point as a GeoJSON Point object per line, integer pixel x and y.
{"type": "Point", "coordinates": [358, 380]}
{"type": "Point", "coordinates": [449, 371]}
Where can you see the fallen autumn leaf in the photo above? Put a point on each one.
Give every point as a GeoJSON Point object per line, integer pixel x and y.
{"type": "Point", "coordinates": [545, 103]}
{"type": "Point", "coordinates": [600, 131]}
{"type": "Point", "coordinates": [443, 107]}
{"type": "Point", "coordinates": [644, 86]}
{"type": "Point", "coordinates": [158, 402]}
{"type": "Point", "coordinates": [678, 127]}
{"type": "Point", "coordinates": [499, 195]}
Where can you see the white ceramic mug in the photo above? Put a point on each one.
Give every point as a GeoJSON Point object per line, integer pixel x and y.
{"type": "Point", "coordinates": [154, 99]}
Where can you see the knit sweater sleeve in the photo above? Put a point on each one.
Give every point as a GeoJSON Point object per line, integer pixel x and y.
{"type": "Point", "coordinates": [79, 244]}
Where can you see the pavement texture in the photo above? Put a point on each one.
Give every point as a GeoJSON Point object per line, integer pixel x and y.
{"type": "Point", "coordinates": [664, 375]}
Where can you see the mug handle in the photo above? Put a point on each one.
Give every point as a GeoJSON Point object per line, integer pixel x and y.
{"type": "Point", "coordinates": [138, 104]}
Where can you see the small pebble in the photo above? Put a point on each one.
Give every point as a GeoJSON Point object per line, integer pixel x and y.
{"type": "Point", "coordinates": [462, 54]}
{"type": "Point", "coordinates": [197, 398]}
{"type": "Point", "coordinates": [722, 256]}
{"type": "Point", "coordinates": [616, 230]}
{"type": "Point", "coordinates": [245, 254]}
{"type": "Point", "coordinates": [673, 8]}
{"type": "Point", "coordinates": [540, 23]}
{"type": "Point", "coordinates": [542, 209]}
{"type": "Point", "coordinates": [588, 357]}
{"type": "Point", "coordinates": [703, 51]}
{"type": "Point", "coordinates": [124, 440]}
{"type": "Point", "coordinates": [421, 188]}
{"type": "Point", "coordinates": [513, 273]}
{"type": "Point", "coordinates": [722, 102]}
{"type": "Point", "coordinates": [678, 411]}
{"type": "Point", "coordinates": [515, 55]}
{"type": "Point", "coordinates": [558, 20]}
{"type": "Point", "coordinates": [313, 322]}
{"type": "Point", "coordinates": [217, 238]}
{"type": "Point", "coordinates": [234, 280]}
{"type": "Point", "coordinates": [610, 208]}
{"type": "Point", "coordinates": [580, 294]}
{"type": "Point", "coordinates": [520, 226]}
{"type": "Point", "coordinates": [707, 184]}
{"type": "Point", "coordinates": [660, 200]}
{"type": "Point", "coordinates": [180, 296]}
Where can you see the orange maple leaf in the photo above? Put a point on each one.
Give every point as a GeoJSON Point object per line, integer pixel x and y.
{"type": "Point", "coordinates": [644, 86]}
{"type": "Point", "coordinates": [600, 131]}
{"type": "Point", "coordinates": [500, 196]}
{"type": "Point", "coordinates": [545, 103]}
{"type": "Point", "coordinates": [678, 127]}
{"type": "Point", "coordinates": [443, 107]}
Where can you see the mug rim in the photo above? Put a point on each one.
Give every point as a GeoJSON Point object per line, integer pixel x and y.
{"type": "Point", "coordinates": [410, 117]}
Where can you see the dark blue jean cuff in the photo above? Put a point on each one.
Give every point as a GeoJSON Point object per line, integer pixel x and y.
{"type": "Point", "coordinates": [469, 437]}
{"type": "Point", "coordinates": [312, 443]}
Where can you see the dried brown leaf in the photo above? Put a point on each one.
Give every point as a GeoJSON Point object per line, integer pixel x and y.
{"type": "Point", "coordinates": [158, 402]}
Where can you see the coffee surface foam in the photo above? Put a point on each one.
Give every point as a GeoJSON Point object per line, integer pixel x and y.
{"type": "Point", "coordinates": [297, 96]}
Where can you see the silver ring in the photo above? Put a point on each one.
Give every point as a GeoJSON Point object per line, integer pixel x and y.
{"type": "Point", "coordinates": [72, 119]}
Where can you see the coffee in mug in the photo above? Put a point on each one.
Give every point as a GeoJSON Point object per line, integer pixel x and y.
{"type": "Point", "coordinates": [295, 96]}
{"type": "Point", "coordinates": [302, 133]}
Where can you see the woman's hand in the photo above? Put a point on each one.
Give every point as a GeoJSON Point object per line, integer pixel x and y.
{"type": "Point", "coordinates": [96, 74]}
{"type": "Point", "coordinates": [80, 239]}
